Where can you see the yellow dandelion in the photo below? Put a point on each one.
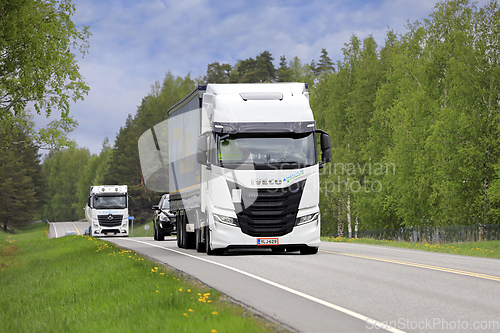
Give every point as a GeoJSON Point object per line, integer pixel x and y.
{"type": "Point", "coordinates": [214, 331]}
{"type": "Point", "coordinates": [189, 290]}
{"type": "Point", "coordinates": [190, 310]}
{"type": "Point", "coordinates": [186, 314]}
{"type": "Point", "coordinates": [215, 313]}
{"type": "Point", "coordinates": [180, 289]}
{"type": "Point", "coordinates": [157, 291]}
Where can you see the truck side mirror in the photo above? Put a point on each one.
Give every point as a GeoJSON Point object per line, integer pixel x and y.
{"type": "Point", "coordinates": [88, 201]}
{"type": "Point", "coordinates": [326, 150]}
{"type": "Point", "coordinates": [156, 207]}
{"type": "Point", "coordinates": [201, 153]}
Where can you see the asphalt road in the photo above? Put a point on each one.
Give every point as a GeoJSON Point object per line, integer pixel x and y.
{"type": "Point", "coordinates": [348, 287]}
{"type": "Point", "coordinates": [345, 287]}
{"type": "Point", "coordinates": [60, 229]}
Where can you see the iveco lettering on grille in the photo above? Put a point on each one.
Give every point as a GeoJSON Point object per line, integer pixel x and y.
{"type": "Point", "coordinates": [270, 181]}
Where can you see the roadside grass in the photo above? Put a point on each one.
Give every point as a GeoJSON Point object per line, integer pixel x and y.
{"type": "Point", "coordinates": [487, 249]}
{"type": "Point", "coordinates": [139, 230]}
{"type": "Point", "coordinates": [84, 284]}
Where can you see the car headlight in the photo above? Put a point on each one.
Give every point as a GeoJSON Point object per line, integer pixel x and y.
{"type": "Point", "coordinates": [163, 218]}
{"type": "Point", "coordinates": [307, 219]}
{"type": "Point", "coordinates": [226, 220]}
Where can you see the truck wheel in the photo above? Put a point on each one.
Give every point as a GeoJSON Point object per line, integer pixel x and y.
{"type": "Point", "coordinates": [200, 246]}
{"type": "Point", "coordinates": [180, 243]}
{"type": "Point", "coordinates": [190, 239]}
{"type": "Point", "coordinates": [309, 250]}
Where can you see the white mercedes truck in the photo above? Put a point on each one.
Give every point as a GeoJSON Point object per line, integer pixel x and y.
{"type": "Point", "coordinates": [107, 211]}
{"type": "Point", "coordinates": [243, 163]}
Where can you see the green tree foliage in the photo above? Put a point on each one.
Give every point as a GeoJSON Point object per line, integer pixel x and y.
{"type": "Point", "coordinates": [260, 69]}
{"type": "Point", "coordinates": [325, 64]}
{"type": "Point", "coordinates": [63, 170]}
{"type": "Point", "coordinates": [421, 116]}
{"type": "Point", "coordinates": [22, 187]}
{"type": "Point", "coordinates": [217, 73]}
{"type": "Point", "coordinates": [343, 103]}
{"type": "Point", "coordinates": [284, 72]}
{"type": "Point", "coordinates": [37, 66]}
{"type": "Point", "coordinates": [301, 72]}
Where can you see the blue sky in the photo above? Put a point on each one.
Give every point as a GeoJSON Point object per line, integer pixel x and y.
{"type": "Point", "coordinates": [134, 43]}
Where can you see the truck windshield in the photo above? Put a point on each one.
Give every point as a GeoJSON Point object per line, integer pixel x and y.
{"type": "Point", "coordinates": [281, 151]}
{"type": "Point", "coordinates": [110, 202]}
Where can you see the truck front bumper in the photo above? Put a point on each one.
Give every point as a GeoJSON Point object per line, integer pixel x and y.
{"type": "Point", "coordinates": [226, 236]}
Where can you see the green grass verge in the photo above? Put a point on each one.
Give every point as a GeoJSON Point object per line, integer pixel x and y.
{"type": "Point", "coordinates": [84, 284]}
{"type": "Point", "coordinates": [489, 249]}
{"type": "Point", "coordinates": [139, 230]}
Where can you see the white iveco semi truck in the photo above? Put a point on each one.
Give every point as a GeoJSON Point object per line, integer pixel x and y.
{"type": "Point", "coordinates": [107, 211]}
{"type": "Point", "coordinates": [244, 168]}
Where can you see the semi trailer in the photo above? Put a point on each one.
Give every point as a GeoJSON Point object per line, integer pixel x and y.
{"type": "Point", "coordinates": [244, 164]}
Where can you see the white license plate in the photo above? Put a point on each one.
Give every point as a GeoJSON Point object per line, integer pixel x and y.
{"type": "Point", "coordinates": [267, 241]}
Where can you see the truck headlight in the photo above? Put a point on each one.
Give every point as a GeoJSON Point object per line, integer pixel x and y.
{"type": "Point", "coordinates": [306, 219]}
{"type": "Point", "coordinates": [226, 220]}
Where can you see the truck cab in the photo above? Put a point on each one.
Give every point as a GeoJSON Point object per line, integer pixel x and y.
{"type": "Point", "coordinates": [107, 211]}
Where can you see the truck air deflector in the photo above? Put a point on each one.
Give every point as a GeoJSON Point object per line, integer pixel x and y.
{"type": "Point", "coordinates": [267, 212]}
{"type": "Point", "coordinates": [262, 96]}
{"type": "Point", "coordinates": [267, 127]}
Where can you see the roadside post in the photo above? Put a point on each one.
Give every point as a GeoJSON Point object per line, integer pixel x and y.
{"type": "Point", "coordinates": [131, 218]}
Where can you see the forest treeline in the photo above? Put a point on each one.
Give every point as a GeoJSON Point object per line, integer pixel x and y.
{"type": "Point", "coordinates": [414, 126]}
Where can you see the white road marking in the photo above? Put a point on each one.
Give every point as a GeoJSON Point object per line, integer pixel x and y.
{"type": "Point", "coordinates": [55, 229]}
{"type": "Point", "coordinates": [374, 323]}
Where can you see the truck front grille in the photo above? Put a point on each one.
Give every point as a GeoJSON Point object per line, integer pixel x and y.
{"type": "Point", "coordinates": [268, 212]}
{"type": "Point", "coordinates": [110, 220]}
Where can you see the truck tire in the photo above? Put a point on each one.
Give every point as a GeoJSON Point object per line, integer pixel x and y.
{"type": "Point", "coordinates": [190, 240]}
{"type": "Point", "coordinates": [180, 231]}
{"type": "Point", "coordinates": [190, 237]}
{"type": "Point", "coordinates": [200, 246]}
